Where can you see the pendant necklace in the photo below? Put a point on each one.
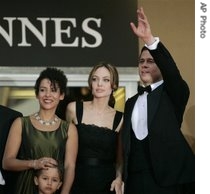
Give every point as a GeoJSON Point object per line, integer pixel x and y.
{"type": "Point", "coordinates": [51, 122]}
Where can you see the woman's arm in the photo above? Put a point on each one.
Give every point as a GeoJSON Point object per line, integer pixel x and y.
{"type": "Point", "coordinates": [10, 161]}
{"type": "Point", "coordinates": [70, 159]}
{"type": "Point", "coordinates": [71, 112]}
{"type": "Point", "coordinates": [117, 184]}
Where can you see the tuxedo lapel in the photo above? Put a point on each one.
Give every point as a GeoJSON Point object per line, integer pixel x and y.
{"type": "Point", "coordinates": [127, 120]}
{"type": "Point", "coordinates": [131, 105]}
{"type": "Point", "coordinates": [153, 100]}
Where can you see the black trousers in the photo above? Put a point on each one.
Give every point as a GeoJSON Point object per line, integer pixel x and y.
{"type": "Point", "coordinates": [188, 188]}
{"type": "Point", "coordinates": [2, 187]}
{"type": "Point", "coordinates": [144, 183]}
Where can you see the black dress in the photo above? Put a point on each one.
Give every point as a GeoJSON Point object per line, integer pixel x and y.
{"type": "Point", "coordinates": [95, 169]}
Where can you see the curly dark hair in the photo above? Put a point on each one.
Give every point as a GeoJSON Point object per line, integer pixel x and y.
{"type": "Point", "coordinates": [56, 76]}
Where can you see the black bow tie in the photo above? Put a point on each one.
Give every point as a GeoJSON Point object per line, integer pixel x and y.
{"type": "Point", "coordinates": [141, 89]}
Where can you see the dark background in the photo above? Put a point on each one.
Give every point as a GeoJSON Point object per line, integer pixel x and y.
{"type": "Point", "coordinates": [119, 46]}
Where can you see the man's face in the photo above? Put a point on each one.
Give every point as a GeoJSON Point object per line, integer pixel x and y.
{"type": "Point", "coordinates": [148, 70]}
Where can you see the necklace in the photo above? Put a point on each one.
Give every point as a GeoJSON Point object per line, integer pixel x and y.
{"type": "Point", "coordinates": [51, 122]}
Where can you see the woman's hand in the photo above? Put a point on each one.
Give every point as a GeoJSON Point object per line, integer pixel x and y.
{"type": "Point", "coordinates": [44, 163]}
{"type": "Point", "coordinates": [117, 185]}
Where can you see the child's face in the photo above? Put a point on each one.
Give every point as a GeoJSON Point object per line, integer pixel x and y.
{"type": "Point", "coordinates": [48, 181]}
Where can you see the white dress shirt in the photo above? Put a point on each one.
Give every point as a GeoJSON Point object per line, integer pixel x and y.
{"type": "Point", "coordinates": [139, 114]}
{"type": "Point", "coordinates": [2, 182]}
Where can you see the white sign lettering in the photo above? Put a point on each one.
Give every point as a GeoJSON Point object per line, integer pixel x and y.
{"type": "Point", "coordinates": [59, 31]}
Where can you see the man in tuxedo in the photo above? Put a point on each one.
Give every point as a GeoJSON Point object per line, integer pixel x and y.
{"type": "Point", "coordinates": [7, 116]}
{"type": "Point", "coordinates": [157, 158]}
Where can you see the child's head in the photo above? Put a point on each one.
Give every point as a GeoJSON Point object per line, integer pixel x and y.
{"type": "Point", "coordinates": [48, 180]}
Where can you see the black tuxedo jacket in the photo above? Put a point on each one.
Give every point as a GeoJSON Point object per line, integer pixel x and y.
{"type": "Point", "coordinates": [7, 116]}
{"type": "Point", "coordinates": [173, 161]}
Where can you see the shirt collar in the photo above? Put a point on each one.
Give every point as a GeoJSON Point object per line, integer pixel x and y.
{"type": "Point", "coordinates": [156, 84]}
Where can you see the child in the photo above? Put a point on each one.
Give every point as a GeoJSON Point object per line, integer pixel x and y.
{"type": "Point", "coordinates": [49, 180]}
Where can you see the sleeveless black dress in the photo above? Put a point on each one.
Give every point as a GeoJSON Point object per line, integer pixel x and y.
{"type": "Point", "coordinates": [95, 169]}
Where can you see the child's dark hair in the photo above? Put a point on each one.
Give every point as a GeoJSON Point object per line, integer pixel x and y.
{"type": "Point", "coordinates": [56, 76]}
{"type": "Point", "coordinates": [59, 167]}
